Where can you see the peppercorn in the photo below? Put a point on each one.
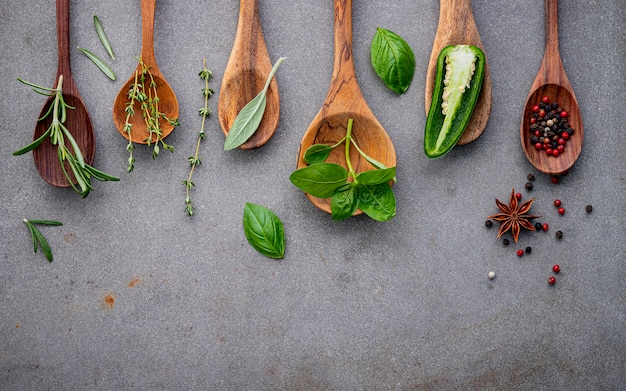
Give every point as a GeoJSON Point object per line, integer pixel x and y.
{"type": "Point", "coordinates": [520, 252]}
{"type": "Point", "coordinates": [557, 203]}
{"type": "Point", "coordinates": [551, 280]}
{"type": "Point", "coordinates": [491, 275]}
{"type": "Point", "coordinates": [559, 234]}
{"type": "Point", "coordinates": [505, 242]}
{"type": "Point", "coordinates": [538, 227]}
{"type": "Point", "coordinates": [530, 177]}
{"type": "Point", "coordinates": [528, 250]}
{"type": "Point", "coordinates": [554, 179]}
{"type": "Point", "coordinates": [518, 196]}
{"type": "Point", "coordinates": [561, 211]}
{"type": "Point", "coordinates": [488, 223]}
{"type": "Point", "coordinates": [556, 268]}
{"type": "Point", "coordinates": [589, 208]}
{"type": "Point", "coordinates": [545, 226]}
{"type": "Point", "coordinates": [529, 186]}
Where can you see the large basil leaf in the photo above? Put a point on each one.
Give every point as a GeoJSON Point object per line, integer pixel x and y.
{"type": "Point", "coordinates": [393, 60]}
{"type": "Point", "coordinates": [264, 230]}
{"type": "Point", "coordinates": [317, 153]}
{"type": "Point", "coordinates": [344, 202]}
{"type": "Point", "coordinates": [319, 180]}
{"type": "Point", "coordinates": [376, 177]}
{"type": "Point", "coordinates": [378, 201]}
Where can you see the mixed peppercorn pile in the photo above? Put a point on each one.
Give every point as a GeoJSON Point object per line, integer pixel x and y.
{"type": "Point", "coordinates": [549, 127]}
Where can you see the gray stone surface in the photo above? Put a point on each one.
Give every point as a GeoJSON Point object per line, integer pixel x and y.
{"type": "Point", "coordinates": [355, 305]}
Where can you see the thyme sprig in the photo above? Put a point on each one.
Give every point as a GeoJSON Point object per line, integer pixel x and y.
{"type": "Point", "coordinates": [194, 161]}
{"type": "Point", "coordinates": [144, 91]}
{"type": "Point", "coordinates": [60, 137]}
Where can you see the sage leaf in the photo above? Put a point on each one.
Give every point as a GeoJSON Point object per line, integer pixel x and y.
{"type": "Point", "coordinates": [99, 63]}
{"type": "Point", "coordinates": [393, 60]}
{"type": "Point", "coordinates": [319, 180]}
{"type": "Point", "coordinates": [376, 177]}
{"type": "Point", "coordinates": [344, 202]}
{"type": "Point", "coordinates": [103, 38]}
{"type": "Point", "coordinates": [317, 153]}
{"type": "Point", "coordinates": [264, 230]}
{"type": "Point", "coordinates": [247, 121]}
{"type": "Point", "coordinates": [378, 201]}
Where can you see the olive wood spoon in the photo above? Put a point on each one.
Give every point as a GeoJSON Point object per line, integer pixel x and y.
{"type": "Point", "coordinates": [247, 71]}
{"type": "Point", "coordinates": [168, 104]}
{"type": "Point", "coordinates": [551, 81]}
{"type": "Point", "coordinates": [344, 101]}
{"type": "Point", "coordinates": [77, 122]}
{"type": "Point", "coordinates": [458, 27]}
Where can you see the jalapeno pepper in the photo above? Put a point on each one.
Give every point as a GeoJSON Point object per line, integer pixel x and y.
{"type": "Point", "coordinates": [460, 71]}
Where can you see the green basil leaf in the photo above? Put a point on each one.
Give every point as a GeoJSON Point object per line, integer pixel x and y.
{"type": "Point", "coordinates": [317, 153]}
{"type": "Point", "coordinates": [392, 59]}
{"type": "Point", "coordinates": [320, 180]}
{"type": "Point", "coordinates": [378, 201]}
{"type": "Point", "coordinates": [247, 121]}
{"type": "Point", "coordinates": [376, 177]}
{"type": "Point", "coordinates": [344, 202]}
{"type": "Point", "coordinates": [264, 230]}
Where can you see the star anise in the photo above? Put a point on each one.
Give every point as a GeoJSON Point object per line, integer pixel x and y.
{"type": "Point", "coordinates": [514, 216]}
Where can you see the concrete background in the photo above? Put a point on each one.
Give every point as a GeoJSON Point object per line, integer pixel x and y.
{"type": "Point", "coordinates": [355, 305]}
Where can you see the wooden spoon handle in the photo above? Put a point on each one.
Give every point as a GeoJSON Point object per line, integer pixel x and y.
{"type": "Point", "coordinates": [343, 68]}
{"type": "Point", "coordinates": [63, 42]}
{"type": "Point", "coordinates": [552, 70]}
{"type": "Point", "coordinates": [148, 8]}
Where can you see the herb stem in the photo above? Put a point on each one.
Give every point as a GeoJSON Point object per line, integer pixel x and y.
{"type": "Point", "coordinates": [348, 138]}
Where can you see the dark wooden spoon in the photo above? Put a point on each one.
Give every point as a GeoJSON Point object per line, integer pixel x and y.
{"type": "Point", "coordinates": [551, 81]}
{"type": "Point", "coordinates": [344, 101]}
{"type": "Point", "coordinates": [78, 121]}
{"type": "Point", "coordinates": [247, 71]}
{"type": "Point", "coordinates": [168, 104]}
{"type": "Point", "coordinates": [458, 27]}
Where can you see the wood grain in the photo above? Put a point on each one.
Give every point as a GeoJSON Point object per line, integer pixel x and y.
{"type": "Point", "coordinates": [344, 101]}
{"type": "Point", "coordinates": [248, 68]}
{"type": "Point", "coordinates": [457, 27]}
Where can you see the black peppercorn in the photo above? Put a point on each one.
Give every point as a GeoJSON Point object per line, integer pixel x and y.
{"type": "Point", "coordinates": [529, 186]}
{"type": "Point", "coordinates": [530, 177]}
{"type": "Point", "coordinates": [528, 250]}
{"type": "Point", "coordinates": [538, 227]}
{"type": "Point", "coordinates": [488, 223]}
{"type": "Point", "coordinates": [559, 234]}
{"type": "Point", "coordinates": [505, 242]}
{"type": "Point", "coordinates": [589, 208]}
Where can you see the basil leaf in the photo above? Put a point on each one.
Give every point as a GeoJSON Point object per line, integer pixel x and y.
{"type": "Point", "coordinates": [317, 153]}
{"type": "Point", "coordinates": [376, 177]}
{"type": "Point", "coordinates": [319, 180]}
{"type": "Point", "coordinates": [392, 59]}
{"type": "Point", "coordinates": [344, 202]}
{"type": "Point", "coordinates": [264, 230]}
{"type": "Point", "coordinates": [247, 121]}
{"type": "Point", "coordinates": [378, 201]}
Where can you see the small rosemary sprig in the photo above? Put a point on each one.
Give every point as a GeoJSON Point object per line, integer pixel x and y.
{"type": "Point", "coordinates": [205, 74]}
{"type": "Point", "coordinates": [39, 241]}
{"type": "Point", "coordinates": [144, 91]}
{"type": "Point", "coordinates": [59, 135]}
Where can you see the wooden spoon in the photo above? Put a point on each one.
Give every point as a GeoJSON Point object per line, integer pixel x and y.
{"type": "Point", "coordinates": [551, 81]}
{"type": "Point", "coordinates": [457, 27]}
{"type": "Point", "coordinates": [168, 104]}
{"type": "Point", "coordinates": [78, 122]}
{"type": "Point", "coordinates": [247, 71]}
{"type": "Point", "coordinates": [345, 101]}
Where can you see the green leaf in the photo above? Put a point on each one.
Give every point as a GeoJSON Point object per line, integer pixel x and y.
{"type": "Point", "coordinates": [317, 153]}
{"type": "Point", "coordinates": [33, 145]}
{"type": "Point", "coordinates": [376, 177]}
{"type": "Point", "coordinates": [99, 63]}
{"type": "Point", "coordinates": [247, 121]}
{"type": "Point", "coordinates": [103, 38]}
{"type": "Point", "coordinates": [378, 201]}
{"type": "Point", "coordinates": [344, 202]}
{"type": "Point", "coordinates": [264, 230]}
{"type": "Point", "coordinates": [39, 241]}
{"type": "Point", "coordinates": [393, 60]}
{"type": "Point", "coordinates": [320, 180]}
{"type": "Point", "coordinates": [46, 222]}
{"type": "Point", "coordinates": [43, 244]}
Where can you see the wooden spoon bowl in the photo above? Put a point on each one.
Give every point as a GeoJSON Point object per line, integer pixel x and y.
{"type": "Point", "coordinates": [168, 103]}
{"type": "Point", "coordinates": [551, 81]}
{"type": "Point", "coordinates": [247, 71]}
{"type": "Point", "coordinates": [345, 101]}
{"type": "Point", "coordinates": [458, 27]}
{"type": "Point", "coordinates": [78, 122]}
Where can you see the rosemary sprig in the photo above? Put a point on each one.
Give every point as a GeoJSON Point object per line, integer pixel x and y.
{"type": "Point", "coordinates": [205, 74]}
{"type": "Point", "coordinates": [39, 241]}
{"type": "Point", "coordinates": [144, 92]}
{"type": "Point", "coordinates": [60, 136]}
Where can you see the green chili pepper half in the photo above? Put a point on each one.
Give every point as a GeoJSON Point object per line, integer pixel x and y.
{"type": "Point", "coordinates": [460, 71]}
